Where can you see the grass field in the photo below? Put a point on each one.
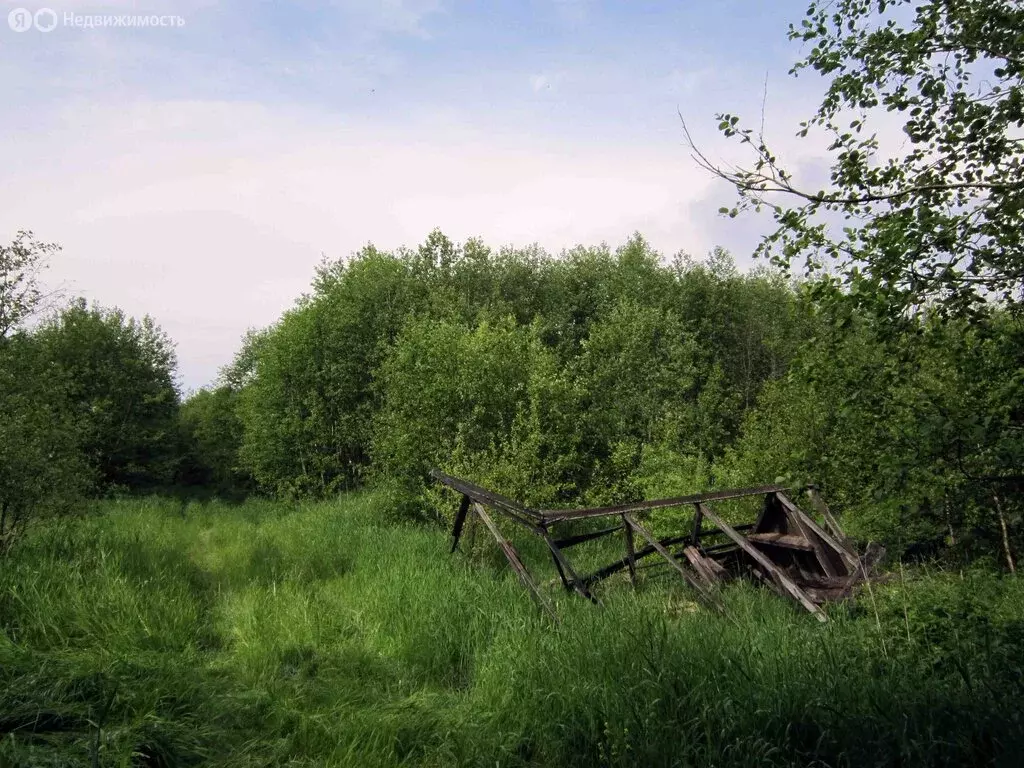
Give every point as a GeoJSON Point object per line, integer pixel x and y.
{"type": "Point", "coordinates": [157, 633]}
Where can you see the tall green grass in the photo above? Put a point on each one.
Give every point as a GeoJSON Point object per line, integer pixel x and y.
{"type": "Point", "coordinates": [153, 633]}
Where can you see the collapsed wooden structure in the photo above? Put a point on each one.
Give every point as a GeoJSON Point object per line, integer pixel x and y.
{"type": "Point", "coordinates": [784, 547]}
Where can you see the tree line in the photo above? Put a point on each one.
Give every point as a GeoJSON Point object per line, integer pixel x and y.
{"type": "Point", "coordinates": [595, 376]}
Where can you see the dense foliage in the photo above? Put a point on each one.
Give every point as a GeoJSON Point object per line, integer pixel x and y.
{"type": "Point", "coordinates": [605, 375]}
{"type": "Point", "coordinates": [552, 373]}
{"type": "Point", "coordinates": [88, 401]}
{"type": "Point", "coordinates": [119, 377]}
{"type": "Point", "coordinates": [932, 214]}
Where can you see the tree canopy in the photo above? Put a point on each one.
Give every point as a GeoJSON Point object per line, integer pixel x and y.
{"type": "Point", "coordinates": [933, 216]}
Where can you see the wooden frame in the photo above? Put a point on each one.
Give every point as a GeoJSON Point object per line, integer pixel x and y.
{"type": "Point", "coordinates": [784, 548]}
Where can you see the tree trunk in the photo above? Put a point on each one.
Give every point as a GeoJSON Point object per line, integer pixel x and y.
{"type": "Point", "coordinates": [1006, 536]}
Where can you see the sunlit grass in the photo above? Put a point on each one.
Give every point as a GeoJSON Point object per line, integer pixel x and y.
{"type": "Point", "coordinates": [269, 634]}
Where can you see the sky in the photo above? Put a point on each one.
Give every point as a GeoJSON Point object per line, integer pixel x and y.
{"type": "Point", "coordinates": [199, 172]}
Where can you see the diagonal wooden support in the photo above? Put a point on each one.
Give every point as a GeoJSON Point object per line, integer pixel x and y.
{"type": "Point", "coordinates": [830, 521]}
{"type": "Point", "coordinates": [783, 584]}
{"type": "Point", "coordinates": [699, 588]}
{"type": "Point", "coordinates": [514, 560]}
{"type": "Point", "coordinates": [807, 523]}
{"type": "Point", "coordinates": [569, 578]}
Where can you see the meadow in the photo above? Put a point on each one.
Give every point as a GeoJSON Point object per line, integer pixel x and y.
{"type": "Point", "coordinates": [160, 632]}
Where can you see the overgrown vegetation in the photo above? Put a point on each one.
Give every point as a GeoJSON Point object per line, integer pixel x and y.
{"type": "Point", "coordinates": [157, 633]}
{"type": "Point", "coordinates": [308, 627]}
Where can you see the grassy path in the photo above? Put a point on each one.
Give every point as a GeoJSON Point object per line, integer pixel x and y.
{"type": "Point", "coordinates": [269, 634]}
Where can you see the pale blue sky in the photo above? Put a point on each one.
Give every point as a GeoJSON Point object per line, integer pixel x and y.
{"type": "Point", "coordinates": [197, 173]}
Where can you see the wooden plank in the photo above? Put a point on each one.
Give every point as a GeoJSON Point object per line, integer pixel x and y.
{"type": "Point", "coordinates": [660, 549]}
{"type": "Point", "coordinates": [514, 560]}
{"type": "Point", "coordinates": [698, 520]}
{"type": "Point", "coordinates": [785, 540]}
{"type": "Point", "coordinates": [460, 519]}
{"type": "Point", "coordinates": [717, 568]}
{"type": "Point", "coordinates": [845, 555]}
{"type": "Point", "coordinates": [555, 515]}
{"type": "Point", "coordinates": [783, 582]}
{"type": "Point", "coordinates": [482, 495]}
{"type": "Point", "coordinates": [699, 563]}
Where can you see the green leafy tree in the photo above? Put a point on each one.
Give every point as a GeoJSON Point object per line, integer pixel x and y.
{"type": "Point", "coordinates": [118, 373]}
{"type": "Point", "coordinates": [307, 403]}
{"type": "Point", "coordinates": [21, 292]}
{"type": "Point", "coordinates": [42, 471]}
{"type": "Point", "coordinates": [934, 216]}
{"type": "Point", "coordinates": [211, 433]}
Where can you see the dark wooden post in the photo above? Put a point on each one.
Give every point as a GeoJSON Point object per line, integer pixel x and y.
{"type": "Point", "coordinates": [698, 521]}
{"type": "Point", "coordinates": [460, 519]}
{"type": "Point", "coordinates": [630, 550]}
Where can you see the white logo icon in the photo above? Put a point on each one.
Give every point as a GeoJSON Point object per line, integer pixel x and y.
{"type": "Point", "coordinates": [45, 20]}
{"type": "Point", "coordinates": [20, 20]}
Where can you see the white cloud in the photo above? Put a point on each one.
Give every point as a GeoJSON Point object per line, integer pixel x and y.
{"type": "Point", "coordinates": [211, 216]}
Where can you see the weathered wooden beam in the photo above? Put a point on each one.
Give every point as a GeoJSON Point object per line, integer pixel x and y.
{"type": "Point", "coordinates": [515, 561]}
{"type": "Point", "coordinates": [783, 583]}
{"type": "Point", "coordinates": [556, 515]}
{"type": "Point", "coordinates": [687, 576]}
{"type": "Point", "coordinates": [698, 520]}
{"type": "Point", "coordinates": [460, 520]}
{"type": "Point", "coordinates": [565, 569]}
{"type": "Point", "coordinates": [788, 541]}
{"type": "Point", "coordinates": [851, 560]}
{"type": "Point", "coordinates": [479, 494]}
{"type": "Point", "coordinates": [700, 565]}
